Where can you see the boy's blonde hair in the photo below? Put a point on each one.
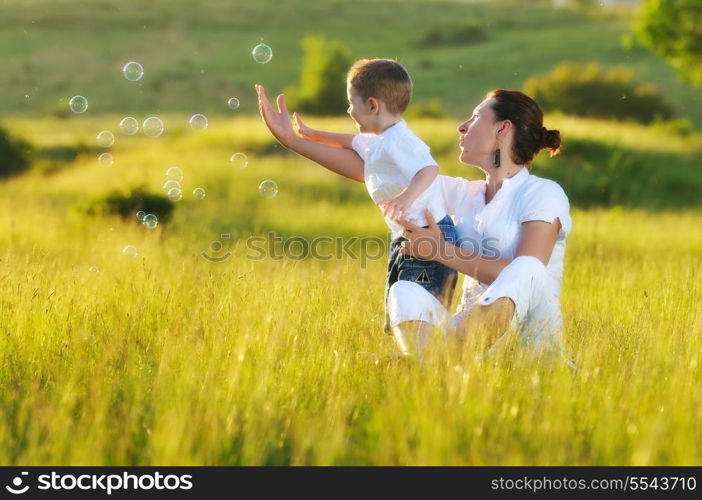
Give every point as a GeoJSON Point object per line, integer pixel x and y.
{"type": "Point", "coordinates": [384, 79]}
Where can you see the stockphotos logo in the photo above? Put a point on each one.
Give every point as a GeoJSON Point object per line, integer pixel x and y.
{"type": "Point", "coordinates": [17, 483]}
{"type": "Point", "coordinates": [103, 482]}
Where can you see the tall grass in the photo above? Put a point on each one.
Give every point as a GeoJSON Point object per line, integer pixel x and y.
{"type": "Point", "coordinates": [171, 359]}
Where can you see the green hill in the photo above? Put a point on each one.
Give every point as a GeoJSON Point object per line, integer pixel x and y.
{"type": "Point", "coordinates": [197, 55]}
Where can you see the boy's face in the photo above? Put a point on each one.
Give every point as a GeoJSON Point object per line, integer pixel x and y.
{"type": "Point", "coordinates": [359, 110]}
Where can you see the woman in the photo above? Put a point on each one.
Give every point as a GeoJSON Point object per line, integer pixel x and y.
{"type": "Point", "coordinates": [512, 229]}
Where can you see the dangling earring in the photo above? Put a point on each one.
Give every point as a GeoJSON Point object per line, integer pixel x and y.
{"type": "Point", "coordinates": [496, 159]}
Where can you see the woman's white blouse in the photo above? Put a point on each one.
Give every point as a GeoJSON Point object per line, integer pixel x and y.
{"type": "Point", "coordinates": [494, 229]}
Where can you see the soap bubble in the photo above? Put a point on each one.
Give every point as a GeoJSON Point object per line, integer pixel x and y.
{"type": "Point", "coordinates": [94, 269]}
{"type": "Point", "coordinates": [78, 104]}
{"type": "Point", "coordinates": [233, 103]}
{"type": "Point", "coordinates": [105, 139]}
{"type": "Point", "coordinates": [175, 194]}
{"type": "Point", "coordinates": [174, 173]}
{"type": "Point", "coordinates": [152, 126]}
{"type": "Point", "coordinates": [198, 122]}
{"type": "Point", "coordinates": [106, 159]}
{"type": "Point", "coordinates": [129, 125]}
{"type": "Point", "coordinates": [130, 251]}
{"type": "Point", "coordinates": [150, 221]}
{"type": "Point", "coordinates": [170, 184]}
{"type": "Point", "coordinates": [262, 53]}
{"type": "Point", "coordinates": [133, 71]}
{"type": "Point", "coordinates": [198, 193]}
{"type": "Point", "coordinates": [268, 188]}
{"type": "Point", "coordinates": [239, 160]}
{"type": "Point", "coordinates": [140, 215]}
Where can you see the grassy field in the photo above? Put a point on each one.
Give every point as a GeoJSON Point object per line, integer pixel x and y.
{"type": "Point", "coordinates": [168, 358]}
{"type": "Point", "coordinates": [197, 54]}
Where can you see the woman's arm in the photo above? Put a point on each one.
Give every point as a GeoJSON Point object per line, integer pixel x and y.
{"type": "Point", "coordinates": [537, 239]}
{"type": "Point", "coordinates": [344, 162]}
{"type": "Point", "coordinates": [484, 269]}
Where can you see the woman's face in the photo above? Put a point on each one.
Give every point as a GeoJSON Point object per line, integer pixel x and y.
{"type": "Point", "coordinates": [478, 135]}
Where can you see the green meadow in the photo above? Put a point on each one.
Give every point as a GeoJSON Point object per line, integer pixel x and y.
{"type": "Point", "coordinates": [170, 358]}
{"type": "Point", "coordinates": [197, 55]}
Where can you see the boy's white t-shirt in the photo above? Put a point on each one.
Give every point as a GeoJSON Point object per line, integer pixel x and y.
{"type": "Point", "coordinates": [392, 158]}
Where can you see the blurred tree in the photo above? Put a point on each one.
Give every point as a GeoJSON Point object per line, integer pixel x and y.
{"type": "Point", "coordinates": [128, 202]}
{"type": "Point", "coordinates": [322, 88]}
{"type": "Point", "coordinates": [589, 90]}
{"type": "Point", "coordinates": [673, 30]}
{"type": "Point", "coordinates": [15, 154]}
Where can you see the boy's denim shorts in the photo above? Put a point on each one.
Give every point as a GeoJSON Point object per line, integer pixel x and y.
{"type": "Point", "coordinates": [436, 278]}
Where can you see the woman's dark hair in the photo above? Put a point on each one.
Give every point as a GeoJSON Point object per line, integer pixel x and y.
{"type": "Point", "coordinates": [527, 117]}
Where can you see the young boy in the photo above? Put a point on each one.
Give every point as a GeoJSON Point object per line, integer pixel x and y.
{"type": "Point", "coordinates": [399, 171]}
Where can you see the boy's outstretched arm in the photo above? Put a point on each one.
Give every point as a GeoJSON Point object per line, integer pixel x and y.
{"type": "Point", "coordinates": [342, 161]}
{"type": "Point", "coordinates": [396, 208]}
{"type": "Point", "coordinates": [321, 136]}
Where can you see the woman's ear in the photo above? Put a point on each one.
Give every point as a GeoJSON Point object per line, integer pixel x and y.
{"type": "Point", "coordinates": [504, 129]}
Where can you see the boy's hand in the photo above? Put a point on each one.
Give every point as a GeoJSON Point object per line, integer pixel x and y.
{"type": "Point", "coordinates": [395, 209]}
{"type": "Point", "coordinates": [303, 129]}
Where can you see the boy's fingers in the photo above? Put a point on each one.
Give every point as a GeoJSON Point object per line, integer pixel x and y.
{"type": "Point", "coordinates": [298, 120]}
{"type": "Point", "coordinates": [391, 212]}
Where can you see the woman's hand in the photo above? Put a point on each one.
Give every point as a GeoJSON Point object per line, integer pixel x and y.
{"type": "Point", "coordinates": [278, 122]}
{"type": "Point", "coordinates": [422, 242]}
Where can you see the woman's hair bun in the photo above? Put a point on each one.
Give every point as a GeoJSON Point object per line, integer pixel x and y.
{"type": "Point", "coordinates": [552, 140]}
